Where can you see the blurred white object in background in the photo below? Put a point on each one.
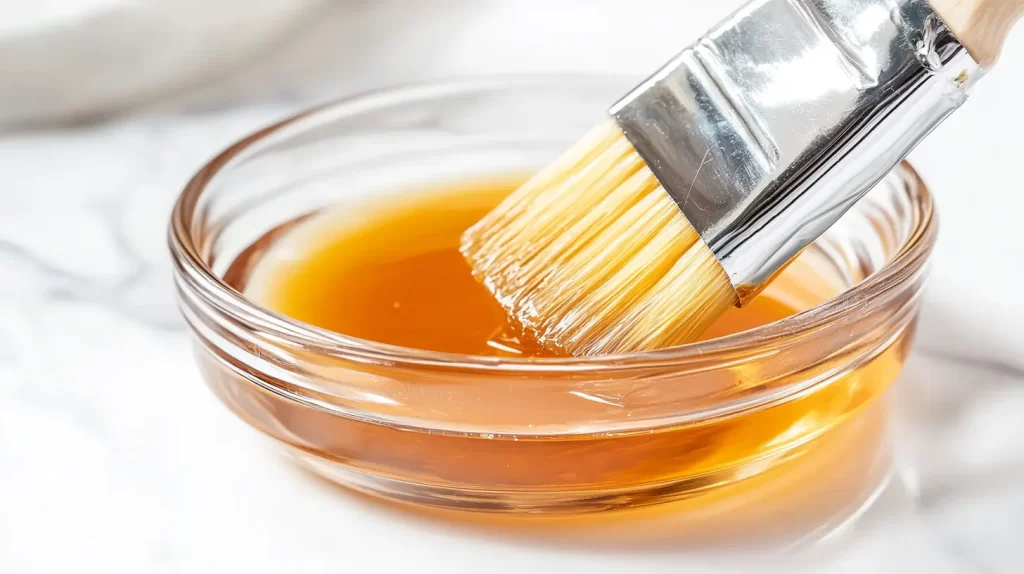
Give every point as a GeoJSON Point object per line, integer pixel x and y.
{"type": "Point", "coordinates": [63, 59]}
{"type": "Point", "coordinates": [66, 60]}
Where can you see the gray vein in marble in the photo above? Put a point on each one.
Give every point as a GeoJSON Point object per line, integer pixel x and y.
{"type": "Point", "coordinates": [63, 285]}
{"type": "Point", "coordinates": [91, 355]}
{"type": "Point", "coordinates": [158, 312]}
{"type": "Point", "coordinates": [964, 553]}
{"type": "Point", "coordinates": [987, 364]}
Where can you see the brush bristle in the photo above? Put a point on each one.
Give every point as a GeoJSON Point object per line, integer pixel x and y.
{"type": "Point", "coordinates": [591, 256]}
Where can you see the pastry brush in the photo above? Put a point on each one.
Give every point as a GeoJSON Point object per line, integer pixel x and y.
{"type": "Point", "coordinates": [724, 164]}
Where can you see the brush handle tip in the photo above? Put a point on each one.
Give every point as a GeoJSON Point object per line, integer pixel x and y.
{"type": "Point", "coordinates": [980, 25]}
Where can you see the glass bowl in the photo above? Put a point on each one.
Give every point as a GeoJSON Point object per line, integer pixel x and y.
{"type": "Point", "coordinates": [522, 435]}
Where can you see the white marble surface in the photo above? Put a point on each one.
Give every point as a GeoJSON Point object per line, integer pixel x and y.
{"type": "Point", "coordinates": [114, 457]}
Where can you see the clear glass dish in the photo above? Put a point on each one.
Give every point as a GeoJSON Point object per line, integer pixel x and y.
{"type": "Point", "coordinates": [521, 435]}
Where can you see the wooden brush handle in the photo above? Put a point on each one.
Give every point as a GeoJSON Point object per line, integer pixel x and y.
{"type": "Point", "coordinates": [980, 25]}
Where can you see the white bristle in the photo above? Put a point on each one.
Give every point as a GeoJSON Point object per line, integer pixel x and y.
{"type": "Point", "coordinates": [591, 256]}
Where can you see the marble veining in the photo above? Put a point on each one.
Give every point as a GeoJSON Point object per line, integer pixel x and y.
{"type": "Point", "coordinates": [113, 455]}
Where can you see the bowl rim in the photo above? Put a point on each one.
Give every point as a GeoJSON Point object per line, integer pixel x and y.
{"type": "Point", "coordinates": [192, 270]}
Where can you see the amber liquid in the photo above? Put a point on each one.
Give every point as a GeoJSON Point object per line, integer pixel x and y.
{"type": "Point", "coordinates": [390, 272]}
{"type": "Point", "coordinates": [394, 275]}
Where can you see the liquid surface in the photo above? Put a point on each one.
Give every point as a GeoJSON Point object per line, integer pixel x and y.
{"type": "Point", "coordinates": [391, 272]}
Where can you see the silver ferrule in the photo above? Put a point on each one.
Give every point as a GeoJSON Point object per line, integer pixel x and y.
{"type": "Point", "coordinates": [770, 127]}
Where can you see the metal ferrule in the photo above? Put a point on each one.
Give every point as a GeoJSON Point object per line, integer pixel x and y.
{"type": "Point", "coordinates": [770, 127]}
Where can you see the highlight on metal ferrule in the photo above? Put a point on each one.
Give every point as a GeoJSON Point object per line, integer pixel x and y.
{"type": "Point", "coordinates": [767, 129]}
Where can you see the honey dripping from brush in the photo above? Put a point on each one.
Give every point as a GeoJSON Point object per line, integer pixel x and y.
{"type": "Point", "coordinates": [391, 272]}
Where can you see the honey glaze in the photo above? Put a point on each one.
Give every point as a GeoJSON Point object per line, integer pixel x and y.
{"type": "Point", "coordinates": [391, 272]}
